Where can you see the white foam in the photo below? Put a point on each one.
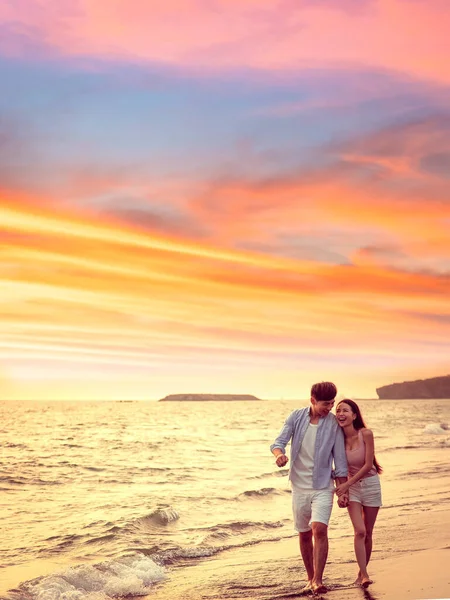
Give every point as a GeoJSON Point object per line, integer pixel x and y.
{"type": "Point", "coordinates": [435, 428]}
{"type": "Point", "coordinates": [132, 575]}
{"type": "Point", "coordinates": [166, 515]}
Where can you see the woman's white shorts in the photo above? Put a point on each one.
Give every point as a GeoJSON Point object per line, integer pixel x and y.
{"type": "Point", "coordinates": [366, 491]}
{"type": "Point", "coordinates": [311, 506]}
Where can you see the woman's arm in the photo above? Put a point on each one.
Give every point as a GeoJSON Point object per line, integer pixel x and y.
{"type": "Point", "coordinates": [368, 463]}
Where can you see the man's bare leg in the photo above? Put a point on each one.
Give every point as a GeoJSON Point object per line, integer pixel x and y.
{"type": "Point", "coordinates": [320, 555]}
{"type": "Point", "coordinates": [306, 550]}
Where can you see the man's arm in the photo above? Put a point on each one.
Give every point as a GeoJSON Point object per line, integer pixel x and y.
{"type": "Point", "coordinates": [340, 457]}
{"type": "Point", "coordinates": [340, 465]}
{"type": "Point", "coordinates": [278, 448]}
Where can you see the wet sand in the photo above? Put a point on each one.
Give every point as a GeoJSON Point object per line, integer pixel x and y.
{"type": "Point", "coordinates": [420, 575]}
{"type": "Point", "coordinates": [274, 572]}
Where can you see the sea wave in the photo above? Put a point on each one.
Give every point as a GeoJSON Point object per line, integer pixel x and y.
{"type": "Point", "coordinates": [261, 492]}
{"type": "Point", "coordinates": [406, 447]}
{"type": "Point", "coordinates": [221, 532]}
{"type": "Point", "coordinates": [163, 515]}
{"type": "Point", "coordinates": [12, 445]}
{"type": "Point", "coordinates": [17, 480]}
{"type": "Point", "coordinates": [72, 446]}
{"type": "Point", "coordinates": [436, 428]}
{"type": "Point", "coordinates": [431, 471]}
{"type": "Point", "coordinates": [279, 473]}
{"type": "Point", "coordinates": [131, 575]}
{"type": "Point", "coordinates": [433, 442]}
{"type": "Point", "coordinates": [128, 576]}
{"type": "Point", "coordinates": [95, 469]}
{"type": "Point", "coordinates": [179, 555]}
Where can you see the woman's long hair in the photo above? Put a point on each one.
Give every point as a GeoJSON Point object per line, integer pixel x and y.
{"type": "Point", "coordinates": [358, 423]}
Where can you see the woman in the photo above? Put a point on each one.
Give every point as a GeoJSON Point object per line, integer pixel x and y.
{"type": "Point", "coordinates": [363, 484]}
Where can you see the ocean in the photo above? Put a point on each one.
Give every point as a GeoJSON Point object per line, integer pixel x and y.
{"type": "Point", "coordinates": [105, 500]}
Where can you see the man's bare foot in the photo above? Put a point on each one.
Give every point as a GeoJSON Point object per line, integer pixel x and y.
{"type": "Point", "coordinates": [307, 589]}
{"type": "Point", "coordinates": [319, 588]}
{"type": "Point", "coordinates": [365, 582]}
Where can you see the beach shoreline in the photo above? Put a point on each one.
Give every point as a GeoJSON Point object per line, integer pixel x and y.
{"type": "Point", "coordinates": [411, 575]}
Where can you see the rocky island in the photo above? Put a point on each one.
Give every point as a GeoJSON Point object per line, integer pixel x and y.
{"type": "Point", "coordinates": [435, 387]}
{"type": "Point", "coordinates": [207, 397]}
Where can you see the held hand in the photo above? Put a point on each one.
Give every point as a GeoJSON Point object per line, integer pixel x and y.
{"type": "Point", "coordinates": [281, 460]}
{"type": "Point", "coordinates": [341, 489]}
{"type": "Point", "coordinates": [343, 501]}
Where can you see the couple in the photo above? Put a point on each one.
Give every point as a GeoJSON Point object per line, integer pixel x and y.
{"type": "Point", "coordinates": [318, 439]}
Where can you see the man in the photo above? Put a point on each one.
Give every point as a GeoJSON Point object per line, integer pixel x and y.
{"type": "Point", "coordinates": [317, 441]}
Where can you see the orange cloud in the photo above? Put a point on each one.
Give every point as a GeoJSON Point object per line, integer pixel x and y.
{"type": "Point", "coordinates": [117, 280]}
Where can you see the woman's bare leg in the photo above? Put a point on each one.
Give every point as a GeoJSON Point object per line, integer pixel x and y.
{"type": "Point", "coordinates": [356, 515]}
{"type": "Point", "coordinates": [370, 516]}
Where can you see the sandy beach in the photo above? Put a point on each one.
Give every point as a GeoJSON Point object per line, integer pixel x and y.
{"type": "Point", "coordinates": [273, 571]}
{"type": "Point", "coordinates": [417, 575]}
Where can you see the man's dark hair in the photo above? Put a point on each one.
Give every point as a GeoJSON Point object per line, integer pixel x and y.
{"type": "Point", "coordinates": [325, 390]}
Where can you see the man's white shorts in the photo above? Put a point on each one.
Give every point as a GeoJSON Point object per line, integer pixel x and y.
{"type": "Point", "coordinates": [311, 506]}
{"type": "Point", "coordinates": [366, 491]}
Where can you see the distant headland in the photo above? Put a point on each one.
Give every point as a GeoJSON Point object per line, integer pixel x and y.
{"type": "Point", "coordinates": [208, 398]}
{"type": "Point", "coordinates": [435, 387]}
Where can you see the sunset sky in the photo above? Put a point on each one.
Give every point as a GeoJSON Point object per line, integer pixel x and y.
{"type": "Point", "coordinates": [223, 196]}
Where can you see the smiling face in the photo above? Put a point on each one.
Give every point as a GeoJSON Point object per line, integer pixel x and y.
{"type": "Point", "coordinates": [344, 414]}
{"type": "Point", "coordinates": [321, 407]}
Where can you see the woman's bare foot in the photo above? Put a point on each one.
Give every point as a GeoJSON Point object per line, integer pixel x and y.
{"type": "Point", "coordinates": [358, 579]}
{"type": "Point", "coordinates": [319, 588]}
{"type": "Point", "coordinates": [306, 589]}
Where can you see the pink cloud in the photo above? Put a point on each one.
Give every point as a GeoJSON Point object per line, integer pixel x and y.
{"type": "Point", "coordinates": [260, 34]}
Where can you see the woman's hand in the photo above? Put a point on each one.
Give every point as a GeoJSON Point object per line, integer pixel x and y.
{"type": "Point", "coordinates": [342, 489]}
{"type": "Point", "coordinates": [343, 501]}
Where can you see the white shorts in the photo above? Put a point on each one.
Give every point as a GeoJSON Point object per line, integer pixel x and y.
{"type": "Point", "coordinates": [311, 506]}
{"type": "Point", "coordinates": [366, 491]}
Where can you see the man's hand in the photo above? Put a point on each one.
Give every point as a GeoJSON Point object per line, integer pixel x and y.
{"type": "Point", "coordinates": [281, 460]}
{"type": "Point", "coordinates": [343, 501]}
